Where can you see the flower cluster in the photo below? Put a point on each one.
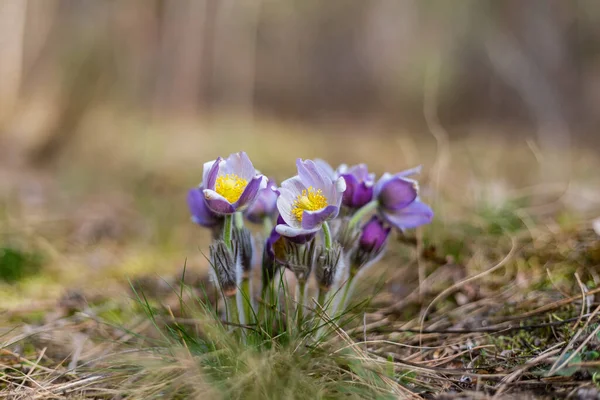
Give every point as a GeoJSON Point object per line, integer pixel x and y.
{"type": "Point", "coordinates": [323, 224]}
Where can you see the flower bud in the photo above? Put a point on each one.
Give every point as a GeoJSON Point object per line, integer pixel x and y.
{"type": "Point", "coordinates": [299, 258]}
{"type": "Point", "coordinates": [244, 250]}
{"type": "Point", "coordinates": [225, 269]}
{"type": "Point", "coordinates": [329, 266]}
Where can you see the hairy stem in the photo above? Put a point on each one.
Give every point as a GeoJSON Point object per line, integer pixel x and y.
{"type": "Point", "coordinates": [227, 225]}
{"type": "Point", "coordinates": [327, 235]}
{"type": "Point", "coordinates": [362, 212]}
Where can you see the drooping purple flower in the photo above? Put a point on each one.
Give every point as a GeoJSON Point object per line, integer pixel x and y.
{"type": "Point", "coordinates": [265, 205]}
{"type": "Point", "coordinates": [201, 214]}
{"type": "Point", "coordinates": [359, 185]}
{"type": "Point", "coordinates": [308, 199]}
{"type": "Point", "coordinates": [398, 200]}
{"type": "Point", "coordinates": [231, 185]}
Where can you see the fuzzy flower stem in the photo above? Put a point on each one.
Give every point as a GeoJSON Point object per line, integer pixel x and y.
{"type": "Point", "coordinates": [267, 226]}
{"type": "Point", "coordinates": [322, 299]}
{"type": "Point", "coordinates": [246, 300]}
{"type": "Point", "coordinates": [242, 300]}
{"type": "Point", "coordinates": [351, 286]}
{"type": "Point", "coordinates": [232, 311]}
{"type": "Point", "coordinates": [327, 235]}
{"type": "Point", "coordinates": [362, 212]}
{"type": "Point", "coordinates": [227, 225]}
{"type": "Point", "coordinates": [300, 308]}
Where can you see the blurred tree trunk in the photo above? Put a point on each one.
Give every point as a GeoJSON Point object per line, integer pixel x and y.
{"type": "Point", "coordinates": [182, 39]}
{"type": "Point", "coordinates": [12, 28]}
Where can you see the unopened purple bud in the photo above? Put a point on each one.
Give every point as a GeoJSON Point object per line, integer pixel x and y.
{"type": "Point", "coordinates": [225, 271]}
{"type": "Point", "coordinates": [329, 266]}
{"type": "Point", "coordinates": [374, 235]}
{"type": "Point", "coordinates": [265, 205]}
{"type": "Point", "coordinates": [371, 244]}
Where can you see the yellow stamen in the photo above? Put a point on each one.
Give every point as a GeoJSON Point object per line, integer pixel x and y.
{"type": "Point", "coordinates": [230, 186]}
{"type": "Point", "coordinates": [309, 200]}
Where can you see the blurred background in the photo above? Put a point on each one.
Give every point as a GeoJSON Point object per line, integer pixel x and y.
{"type": "Point", "coordinates": [108, 109]}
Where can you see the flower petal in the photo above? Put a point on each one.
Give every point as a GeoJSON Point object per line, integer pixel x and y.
{"type": "Point", "coordinates": [240, 165]}
{"type": "Point", "coordinates": [311, 175]}
{"type": "Point", "coordinates": [362, 195]}
{"type": "Point", "coordinates": [290, 190]}
{"type": "Point", "coordinates": [414, 215]}
{"type": "Point", "coordinates": [397, 193]}
{"type": "Point", "coordinates": [351, 186]}
{"type": "Point", "coordinates": [206, 169]}
{"type": "Point", "coordinates": [288, 231]}
{"type": "Point", "coordinates": [201, 214]}
{"type": "Point", "coordinates": [265, 204]}
{"type": "Point", "coordinates": [250, 191]}
{"type": "Point", "coordinates": [381, 183]}
{"type": "Point", "coordinates": [314, 219]}
{"type": "Point", "coordinates": [409, 172]}
{"type": "Point", "coordinates": [326, 168]}
{"type": "Point", "coordinates": [217, 203]}
{"type": "Point", "coordinates": [213, 172]}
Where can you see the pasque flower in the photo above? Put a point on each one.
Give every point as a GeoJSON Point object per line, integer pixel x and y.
{"type": "Point", "coordinates": [231, 185]}
{"type": "Point", "coordinates": [265, 205]}
{"type": "Point", "coordinates": [359, 185]}
{"type": "Point", "coordinates": [308, 199]}
{"type": "Point", "coordinates": [398, 200]}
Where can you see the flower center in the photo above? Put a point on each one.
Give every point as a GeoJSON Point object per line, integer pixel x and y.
{"type": "Point", "coordinates": [230, 186]}
{"type": "Point", "coordinates": [309, 200]}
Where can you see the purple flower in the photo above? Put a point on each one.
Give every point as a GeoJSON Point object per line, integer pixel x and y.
{"type": "Point", "coordinates": [231, 185]}
{"type": "Point", "coordinates": [398, 200]}
{"type": "Point", "coordinates": [359, 185]}
{"type": "Point", "coordinates": [373, 235]}
{"type": "Point", "coordinates": [264, 206]}
{"type": "Point", "coordinates": [201, 214]}
{"type": "Point", "coordinates": [308, 199]}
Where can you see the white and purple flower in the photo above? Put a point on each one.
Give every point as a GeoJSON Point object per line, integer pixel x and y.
{"type": "Point", "coordinates": [398, 200]}
{"type": "Point", "coordinates": [231, 185]}
{"type": "Point", "coordinates": [359, 185]}
{"type": "Point", "coordinates": [308, 199]}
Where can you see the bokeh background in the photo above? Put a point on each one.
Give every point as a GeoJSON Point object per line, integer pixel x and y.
{"type": "Point", "coordinates": [108, 109]}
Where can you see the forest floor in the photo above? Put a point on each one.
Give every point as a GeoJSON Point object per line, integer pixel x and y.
{"type": "Point", "coordinates": [497, 298]}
